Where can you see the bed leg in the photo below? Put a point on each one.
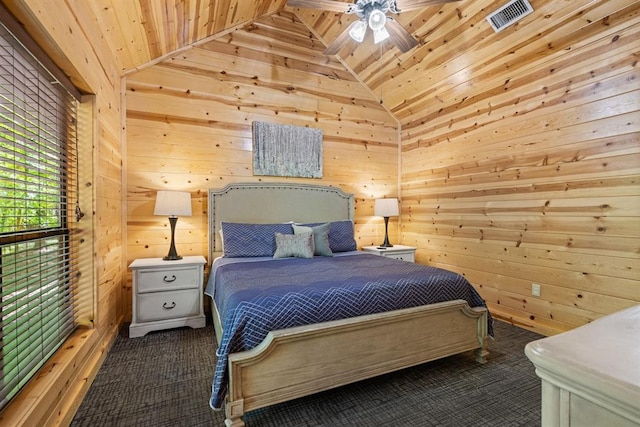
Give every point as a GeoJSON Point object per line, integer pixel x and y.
{"type": "Point", "coordinates": [234, 411]}
{"type": "Point", "coordinates": [481, 355]}
{"type": "Point", "coordinates": [234, 423]}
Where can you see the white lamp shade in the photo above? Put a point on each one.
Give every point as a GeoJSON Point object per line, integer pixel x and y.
{"type": "Point", "coordinates": [173, 203]}
{"type": "Point", "coordinates": [386, 207]}
{"type": "Point", "coordinates": [358, 30]}
{"type": "Point", "coordinates": [380, 35]}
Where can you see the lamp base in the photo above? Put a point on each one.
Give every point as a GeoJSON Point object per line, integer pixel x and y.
{"type": "Point", "coordinates": [386, 243]}
{"type": "Point", "coordinates": [173, 254]}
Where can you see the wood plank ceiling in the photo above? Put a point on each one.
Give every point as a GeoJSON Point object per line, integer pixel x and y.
{"type": "Point", "coordinates": [144, 32]}
{"type": "Point", "coordinates": [456, 43]}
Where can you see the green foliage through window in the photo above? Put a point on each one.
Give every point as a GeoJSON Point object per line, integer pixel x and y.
{"type": "Point", "coordinates": [37, 275]}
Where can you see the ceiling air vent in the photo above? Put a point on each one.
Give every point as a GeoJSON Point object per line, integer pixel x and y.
{"type": "Point", "coordinates": [508, 14]}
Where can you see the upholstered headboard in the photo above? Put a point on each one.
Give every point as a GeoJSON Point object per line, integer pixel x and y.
{"type": "Point", "coordinates": [269, 203]}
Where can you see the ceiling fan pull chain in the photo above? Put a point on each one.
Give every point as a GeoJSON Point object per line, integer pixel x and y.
{"type": "Point", "coordinates": [381, 99]}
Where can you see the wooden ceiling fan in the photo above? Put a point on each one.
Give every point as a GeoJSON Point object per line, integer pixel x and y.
{"type": "Point", "coordinates": [373, 15]}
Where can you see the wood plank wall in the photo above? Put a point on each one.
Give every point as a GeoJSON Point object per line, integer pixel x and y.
{"type": "Point", "coordinates": [521, 164]}
{"type": "Point", "coordinates": [69, 38]}
{"type": "Point", "coordinates": [189, 128]}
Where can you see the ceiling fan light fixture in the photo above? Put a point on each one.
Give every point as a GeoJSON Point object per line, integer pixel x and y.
{"type": "Point", "coordinates": [358, 30]}
{"type": "Point", "coordinates": [377, 19]}
{"type": "Point", "coordinates": [380, 35]}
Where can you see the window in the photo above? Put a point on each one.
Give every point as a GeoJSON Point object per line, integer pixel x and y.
{"type": "Point", "coordinates": [39, 213]}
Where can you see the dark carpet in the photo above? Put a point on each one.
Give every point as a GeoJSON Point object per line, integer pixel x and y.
{"type": "Point", "coordinates": [164, 379]}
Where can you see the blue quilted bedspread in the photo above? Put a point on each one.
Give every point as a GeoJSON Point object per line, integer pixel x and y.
{"type": "Point", "coordinates": [260, 295]}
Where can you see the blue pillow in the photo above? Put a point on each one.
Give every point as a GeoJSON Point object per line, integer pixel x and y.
{"type": "Point", "coordinates": [251, 240]}
{"type": "Point", "coordinates": [341, 235]}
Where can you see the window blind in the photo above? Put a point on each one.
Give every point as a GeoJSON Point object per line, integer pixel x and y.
{"type": "Point", "coordinates": [39, 212]}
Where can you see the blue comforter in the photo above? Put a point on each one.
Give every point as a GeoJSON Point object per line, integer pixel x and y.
{"type": "Point", "coordinates": [258, 295]}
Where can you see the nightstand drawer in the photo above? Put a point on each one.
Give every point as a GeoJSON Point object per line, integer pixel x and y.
{"type": "Point", "coordinates": [152, 280]}
{"type": "Point", "coordinates": [168, 305]}
{"type": "Point", "coordinates": [404, 256]}
{"type": "Point", "coordinates": [400, 252]}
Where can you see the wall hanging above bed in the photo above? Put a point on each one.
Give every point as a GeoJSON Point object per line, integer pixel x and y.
{"type": "Point", "coordinates": [284, 150]}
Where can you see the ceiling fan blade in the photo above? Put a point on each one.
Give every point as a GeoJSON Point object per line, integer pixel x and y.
{"type": "Point", "coordinates": [404, 5]}
{"type": "Point", "coordinates": [399, 36]}
{"type": "Point", "coordinates": [329, 5]}
{"type": "Point", "coordinates": [337, 44]}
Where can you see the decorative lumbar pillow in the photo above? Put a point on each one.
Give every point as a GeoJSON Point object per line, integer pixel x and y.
{"type": "Point", "coordinates": [251, 240]}
{"type": "Point", "coordinates": [320, 238]}
{"type": "Point", "coordinates": [294, 245]}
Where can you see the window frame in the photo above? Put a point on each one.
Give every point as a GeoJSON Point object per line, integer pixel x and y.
{"type": "Point", "coordinates": [67, 229]}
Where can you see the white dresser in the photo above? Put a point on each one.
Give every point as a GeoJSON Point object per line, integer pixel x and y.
{"type": "Point", "coordinates": [591, 375]}
{"type": "Point", "coordinates": [404, 253]}
{"type": "Point", "coordinates": [167, 294]}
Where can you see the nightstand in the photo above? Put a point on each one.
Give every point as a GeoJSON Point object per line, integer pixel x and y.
{"type": "Point", "coordinates": [167, 294]}
{"type": "Point", "coordinates": [404, 253]}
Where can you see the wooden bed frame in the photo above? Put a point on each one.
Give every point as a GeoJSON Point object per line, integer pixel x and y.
{"type": "Point", "coordinates": [300, 361]}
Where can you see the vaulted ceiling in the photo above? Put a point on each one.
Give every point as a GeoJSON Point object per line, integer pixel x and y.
{"type": "Point", "coordinates": [456, 43]}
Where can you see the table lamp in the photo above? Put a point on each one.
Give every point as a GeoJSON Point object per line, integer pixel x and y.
{"type": "Point", "coordinates": [385, 208]}
{"type": "Point", "coordinates": [173, 204]}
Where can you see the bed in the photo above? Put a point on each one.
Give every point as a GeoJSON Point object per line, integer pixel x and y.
{"type": "Point", "coordinates": [391, 322]}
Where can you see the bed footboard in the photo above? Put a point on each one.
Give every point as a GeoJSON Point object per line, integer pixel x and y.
{"type": "Point", "coordinates": [300, 361]}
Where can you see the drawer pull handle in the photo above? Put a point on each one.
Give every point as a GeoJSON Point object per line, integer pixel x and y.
{"type": "Point", "coordinates": [169, 307]}
{"type": "Point", "coordinates": [169, 280]}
